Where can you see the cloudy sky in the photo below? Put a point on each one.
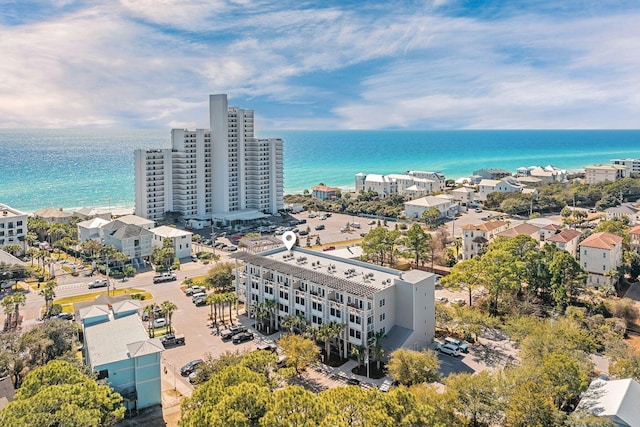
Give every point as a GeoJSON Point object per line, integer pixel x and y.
{"type": "Point", "coordinates": [333, 64]}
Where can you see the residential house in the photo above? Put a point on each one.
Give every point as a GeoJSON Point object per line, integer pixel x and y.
{"type": "Point", "coordinates": [147, 224]}
{"type": "Point", "coordinates": [475, 238]}
{"type": "Point", "coordinates": [323, 192]}
{"type": "Point", "coordinates": [505, 185]}
{"type": "Point", "coordinates": [632, 164]}
{"type": "Point", "coordinates": [180, 239]}
{"type": "Point", "coordinates": [599, 254]}
{"type": "Point", "coordinates": [91, 229]}
{"type": "Point", "coordinates": [13, 227]}
{"type": "Point", "coordinates": [602, 173]}
{"type": "Point", "coordinates": [566, 239]}
{"type": "Point", "coordinates": [524, 228]}
{"type": "Point", "coordinates": [411, 184]}
{"type": "Point", "coordinates": [616, 400]}
{"type": "Point", "coordinates": [494, 174]}
{"type": "Point", "coordinates": [132, 240]}
{"type": "Point", "coordinates": [544, 174]}
{"type": "Point", "coordinates": [118, 349]}
{"type": "Point", "coordinates": [634, 239]}
{"type": "Point", "coordinates": [88, 213]}
{"type": "Point", "coordinates": [444, 204]}
{"type": "Point", "coordinates": [53, 216]}
{"type": "Point", "coordinates": [322, 288]}
{"type": "Point", "coordinates": [625, 210]}
{"type": "Point", "coordinates": [464, 195]}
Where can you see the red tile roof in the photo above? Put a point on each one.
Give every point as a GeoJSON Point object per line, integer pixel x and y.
{"type": "Point", "coordinates": [602, 241]}
{"type": "Point", "coordinates": [564, 236]}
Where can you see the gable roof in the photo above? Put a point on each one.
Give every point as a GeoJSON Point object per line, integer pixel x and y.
{"type": "Point", "coordinates": [602, 240]}
{"type": "Point", "coordinates": [142, 348]}
{"type": "Point", "coordinates": [52, 213]}
{"type": "Point", "coordinates": [96, 222]}
{"type": "Point", "coordinates": [135, 220]}
{"type": "Point", "coordinates": [485, 226]}
{"type": "Point", "coordinates": [94, 311]}
{"type": "Point", "coordinates": [635, 230]}
{"type": "Point", "coordinates": [165, 231]}
{"type": "Point", "coordinates": [429, 201]}
{"type": "Point", "coordinates": [523, 228]}
{"type": "Point", "coordinates": [615, 399]}
{"type": "Point", "coordinates": [126, 305]}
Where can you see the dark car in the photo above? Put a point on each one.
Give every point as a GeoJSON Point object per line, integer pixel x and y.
{"type": "Point", "coordinates": [233, 330]}
{"type": "Point", "coordinates": [172, 339]}
{"type": "Point", "coordinates": [268, 347]}
{"type": "Point", "coordinates": [190, 367]}
{"type": "Point", "coordinates": [242, 337]}
{"type": "Point", "coordinates": [319, 227]}
{"type": "Point", "coordinates": [65, 316]}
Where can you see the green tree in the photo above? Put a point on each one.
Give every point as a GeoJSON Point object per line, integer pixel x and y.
{"type": "Point", "coordinates": [220, 277]}
{"type": "Point", "coordinates": [626, 365]}
{"type": "Point", "coordinates": [59, 394]}
{"type": "Point", "coordinates": [299, 351]}
{"type": "Point", "coordinates": [150, 312]}
{"type": "Point", "coordinates": [416, 240]}
{"type": "Point", "coordinates": [476, 397]}
{"type": "Point", "coordinates": [294, 406]}
{"type": "Point", "coordinates": [567, 278]}
{"type": "Point", "coordinates": [351, 406]}
{"type": "Point", "coordinates": [464, 275]}
{"type": "Point", "coordinates": [566, 376]}
{"type": "Point", "coordinates": [48, 293]}
{"type": "Point", "coordinates": [431, 215]}
{"type": "Point", "coordinates": [410, 367]}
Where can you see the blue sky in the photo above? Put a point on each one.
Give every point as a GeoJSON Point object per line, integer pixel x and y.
{"type": "Point", "coordinates": [437, 64]}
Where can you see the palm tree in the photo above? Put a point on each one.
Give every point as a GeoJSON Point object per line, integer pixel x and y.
{"type": "Point", "coordinates": [32, 253]}
{"type": "Point", "coordinates": [326, 334]}
{"type": "Point", "coordinates": [377, 351]}
{"type": "Point", "coordinates": [231, 298]}
{"type": "Point", "coordinates": [358, 352]}
{"type": "Point", "coordinates": [7, 303]}
{"type": "Point", "coordinates": [339, 328]}
{"type": "Point", "coordinates": [289, 322]}
{"type": "Point", "coordinates": [167, 309]}
{"type": "Point", "coordinates": [49, 294]}
{"type": "Point", "coordinates": [17, 300]}
{"type": "Point", "coordinates": [150, 311]}
{"type": "Point", "coordinates": [270, 306]}
{"type": "Point", "coordinates": [210, 300]}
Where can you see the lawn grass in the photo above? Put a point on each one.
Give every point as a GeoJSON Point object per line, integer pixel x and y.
{"type": "Point", "coordinates": [67, 302]}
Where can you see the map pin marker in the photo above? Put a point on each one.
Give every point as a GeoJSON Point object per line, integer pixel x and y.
{"type": "Point", "coordinates": [289, 239]}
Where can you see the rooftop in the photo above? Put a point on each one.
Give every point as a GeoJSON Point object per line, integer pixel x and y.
{"type": "Point", "coordinates": [602, 241]}
{"type": "Point", "coordinates": [165, 231]}
{"type": "Point", "coordinates": [6, 211]}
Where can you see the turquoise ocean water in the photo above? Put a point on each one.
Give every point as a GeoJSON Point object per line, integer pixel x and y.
{"type": "Point", "coordinates": [94, 167]}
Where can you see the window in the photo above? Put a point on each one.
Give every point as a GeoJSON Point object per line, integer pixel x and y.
{"type": "Point", "coordinates": [382, 302]}
{"type": "Point", "coordinates": [103, 374]}
{"type": "Point", "coordinates": [382, 316]}
{"type": "Point", "coordinates": [604, 255]}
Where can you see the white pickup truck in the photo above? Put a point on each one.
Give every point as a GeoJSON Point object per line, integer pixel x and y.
{"type": "Point", "coordinates": [164, 277]}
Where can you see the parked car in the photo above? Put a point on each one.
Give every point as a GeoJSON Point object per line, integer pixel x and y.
{"type": "Point", "coordinates": [200, 301]}
{"type": "Point", "coordinates": [478, 210]}
{"type": "Point", "coordinates": [329, 248]}
{"type": "Point", "coordinates": [459, 301]}
{"type": "Point", "coordinates": [372, 222]}
{"type": "Point", "coordinates": [385, 386]}
{"type": "Point", "coordinates": [195, 296]}
{"type": "Point", "coordinates": [164, 277]}
{"type": "Point", "coordinates": [320, 227]}
{"type": "Point", "coordinates": [323, 217]}
{"type": "Point", "coordinates": [303, 232]}
{"type": "Point", "coordinates": [353, 381]}
{"type": "Point", "coordinates": [194, 258]}
{"type": "Point", "coordinates": [172, 339]}
{"type": "Point", "coordinates": [242, 337]}
{"type": "Point", "coordinates": [231, 248]}
{"type": "Point", "coordinates": [450, 349]}
{"type": "Point", "coordinates": [194, 290]}
{"type": "Point", "coordinates": [100, 283]}
{"type": "Point", "coordinates": [65, 316]}
{"type": "Point", "coordinates": [301, 221]}
{"type": "Point", "coordinates": [160, 322]}
{"type": "Point", "coordinates": [190, 367]}
{"type": "Point", "coordinates": [232, 331]}
{"type": "Point", "coordinates": [268, 347]}
{"type": "Point", "coordinates": [460, 344]}
{"type": "Point", "coordinates": [442, 300]}
{"type": "Point", "coordinates": [312, 215]}
{"type": "Point", "coordinates": [157, 313]}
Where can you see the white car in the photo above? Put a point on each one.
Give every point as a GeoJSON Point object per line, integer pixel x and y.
{"type": "Point", "coordinates": [442, 300]}
{"type": "Point", "coordinates": [159, 323]}
{"type": "Point", "coordinates": [459, 301]}
{"type": "Point", "coordinates": [450, 349]}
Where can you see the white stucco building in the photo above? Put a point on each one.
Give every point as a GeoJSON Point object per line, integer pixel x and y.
{"type": "Point", "coordinates": [601, 173]}
{"type": "Point", "coordinates": [181, 239]}
{"type": "Point", "coordinates": [412, 183]}
{"type": "Point", "coordinates": [444, 204]}
{"type": "Point", "coordinates": [13, 226]}
{"type": "Point", "coordinates": [632, 164]}
{"type": "Point", "coordinates": [222, 173]}
{"type": "Point", "coordinates": [325, 288]}
{"type": "Point", "coordinates": [476, 237]}
{"type": "Point", "coordinates": [130, 239]}
{"type": "Point", "coordinates": [600, 253]}
{"type": "Point", "coordinates": [91, 229]}
{"type": "Point", "coordinates": [504, 185]}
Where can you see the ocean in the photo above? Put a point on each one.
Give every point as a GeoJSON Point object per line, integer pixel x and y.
{"type": "Point", "coordinates": [94, 167]}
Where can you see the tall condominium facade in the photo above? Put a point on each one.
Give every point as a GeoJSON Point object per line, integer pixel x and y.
{"type": "Point", "coordinates": [223, 173]}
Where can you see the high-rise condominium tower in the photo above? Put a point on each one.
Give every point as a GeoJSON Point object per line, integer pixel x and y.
{"type": "Point", "coordinates": [223, 174]}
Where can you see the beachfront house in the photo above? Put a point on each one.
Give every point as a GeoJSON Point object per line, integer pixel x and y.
{"type": "Point", "coordinates": [603, 173]}
{"type": "Point", "coordinates": [88, 213]}
{"type": "Point", "coordinates": [118, 349]}
{"type": "Point", "coordinates": [600, 256]}
{"type": "Point", "coordinates": [180, 239]}
{"type": "Point", "coordinates": [464, 195]}
{"type": "Point", "coordinates": [53, 216]}
{"type": "Point", "coordinates": [411, 184]}
{"type": "Point", "coordinates": [323, 192]}
{"type": "Point", "coordinates": [495, 174]}
{"type": "Point", "coordinates": [444, 204]}
{"type": "Point", "coordinates": [13, 227]}
{"type": "Point", "coordinates": [475, 238]}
